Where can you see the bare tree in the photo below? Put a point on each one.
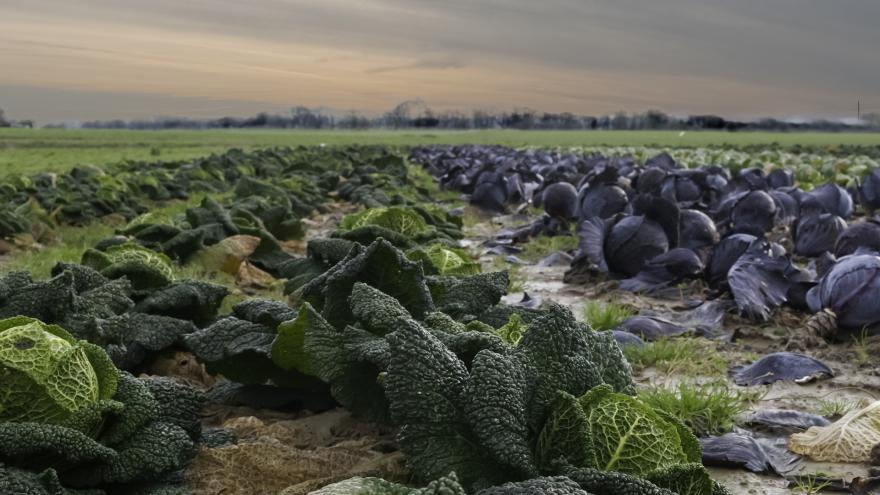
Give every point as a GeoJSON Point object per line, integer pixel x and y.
{"type": "Point", "coordinates": [3, 121]}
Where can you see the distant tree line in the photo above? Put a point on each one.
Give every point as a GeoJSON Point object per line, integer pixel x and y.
{"type": "Point", "coordinates": [4, 122]}
{"type": "Point", "coordinates": [416, 114]}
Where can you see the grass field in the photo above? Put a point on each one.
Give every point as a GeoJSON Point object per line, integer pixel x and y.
{"type": "Point", "coordinates": [42, 150]}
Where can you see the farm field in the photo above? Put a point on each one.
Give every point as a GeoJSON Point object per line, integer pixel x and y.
{"type": "Point", "coordinates": [603, 313]}
{"type": "Point", "coordinates": [30, 151]}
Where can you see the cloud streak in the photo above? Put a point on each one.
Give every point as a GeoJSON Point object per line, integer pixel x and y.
{"type": "Point", "coordinates": [427, 64]}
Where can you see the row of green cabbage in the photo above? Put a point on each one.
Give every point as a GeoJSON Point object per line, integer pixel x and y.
{"type": "Point", "coordinates": [283, 184]}
{"type": "Point", "coordinates": [482, 393]}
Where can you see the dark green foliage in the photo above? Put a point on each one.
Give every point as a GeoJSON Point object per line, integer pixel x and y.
{"type": "Point", "coordinates": [352, 359]}
{"type": "Point", "coordinates": [151, 435]}
{"type": "Point", "coordinates": [93, 308]}
{"type": "Point", "coordinates": [483, 422]}
{"type": "Point", "coordinates": [376, 311]}
{"type": "Point", "coordinates": [613, 483]}
{"type": "Point", "coordinates": [264, 311]}
{"type": "Point", "coordinates": [140, 407]}
{"type": "Point", "coordinates": [14, 481]}
{"type": "Point", "coordinates": [99, 310]}
{"type": "Point", "coordinates": [105, 301]}
{"type": "Point", "coordinates": [47, 301]}
{"type": "Point", "coordinates": [565, 435]}
{"type": "Point", "coordinates": [380, 265]}
{"type": "Point", "coordinates": [237, 349]}
{"type": "Point", "coordinates": [189, 300]}
{"type": "Point", "coordinates": [132, 337]}
{"type": "Point", "coordinates": [321, 254]}
{"type": "Point", "coordinates": [426, 390]}
{"type": "Point", "coordinates": [559, 485]}
{"type": "Point", "coordinates": [35, 445]}
{"type": "Point", "coordinates": [241, 350]}
{"type": "Point", "coordinates": [500, 314]}
{"type": "Point", "coordinates": [368, 234]}
{"type": "Point", "coordinates": [494, 410]}
{"type": "Point", "coordinates": [328, 251]}
{"type": "Point", "coordinates": [84, 278]}
{"type": "Point", "coordinates": [180, 403]}
{"type": "Point", "coordinates": [264, 396]}
{"type": "Point", "coordinates": [683, 479]}
{"type": "Point", "coordinates": [460, 296]}
{"type": "Point", "coordinates": [184, 244]}
{"type": "Point", "coordinates": [269, 255]}
{"type": "Point", "coordinates": [210, 212]}
{"type": "Point", "coordinates": [277, 219]}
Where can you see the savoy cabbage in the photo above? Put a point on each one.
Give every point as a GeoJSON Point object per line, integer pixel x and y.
{"type": "Point", "coordinates": [146, 269]}
{"type": "Point", "coordinates": [607, 431]}
{"type": "Point", "coordinates": [50, 377]}
{"type": "Point", "coordinates": [401, 220]}
{"type": "Point", "coordinates": [69, 419]}
{"type": "Point", "coordinates": [440, 259]}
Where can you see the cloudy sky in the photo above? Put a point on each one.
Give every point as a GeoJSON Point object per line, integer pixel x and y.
{"type": "Point", "coordinates": [101, 59]}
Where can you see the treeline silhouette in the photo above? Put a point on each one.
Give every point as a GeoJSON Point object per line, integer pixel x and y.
{"type": "Point", "coordinates": [417, 115]}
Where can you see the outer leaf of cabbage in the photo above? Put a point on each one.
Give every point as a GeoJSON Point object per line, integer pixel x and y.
{"type": "Point", "coordinates": [849, 439]}
{"type": "Point", "coordinates": [683, 479]}
{"type": "Point", "coordinates": [398, 219]}
{"type": "Point", "coordinates": [512, 331]}
{"type": "Point", "coordinates": [287, 348]}
{"type": "Point", "coordinates": [438, 259]}
{"type": "Point", "coordinates": [145, 268]}
{"type": "Point", "coordinates": [850, 290]}
{"type": "Point", "coordinates": [629, 436]}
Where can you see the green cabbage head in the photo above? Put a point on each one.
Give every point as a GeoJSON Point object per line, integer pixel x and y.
{"type": "Point", "coordinates": [146, 269]}
{"type": "Point", "coordinates": [398, 219]}
{"type": "Point", "coordinates": [50, 377]}
{"type": "Point", "coordinates": [439, 259]}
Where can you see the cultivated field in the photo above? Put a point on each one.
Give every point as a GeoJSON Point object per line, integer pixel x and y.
{"type": "Point", "coordinates": [23, 150]}
{"type": "Point", "coordinates": [578, 312]}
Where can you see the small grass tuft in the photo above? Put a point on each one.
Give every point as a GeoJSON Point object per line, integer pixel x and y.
{"type": "Point", "coordinates": [810, 484]}
{"type": "Point", "coordinates": [606, 316]}
{"type": "Point", "coordinates": [860, 347]}
{"type": "Point", "coordinates": [688, 356]}
{"type": "Point", "coordinates": [835, 408]}
{"type": "Point", "coordinates": [542, 246]}
{"type": "Point", "coordinates": [708, 409]}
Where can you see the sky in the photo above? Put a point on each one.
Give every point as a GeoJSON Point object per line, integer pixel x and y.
{"type": "Point", "coordinates": [63, 60]}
